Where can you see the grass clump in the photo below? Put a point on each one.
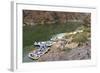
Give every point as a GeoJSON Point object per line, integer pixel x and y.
{"type": "Point", "coordinates": [82, 37]}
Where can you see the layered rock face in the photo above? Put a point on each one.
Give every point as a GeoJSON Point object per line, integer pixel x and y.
{"type": "Point", "coordinates": [32, 17]}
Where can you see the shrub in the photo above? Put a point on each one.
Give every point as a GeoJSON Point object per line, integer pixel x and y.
{"type": "Point", "coordinates": [80, 37]}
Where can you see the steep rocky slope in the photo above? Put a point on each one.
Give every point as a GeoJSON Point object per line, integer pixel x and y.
{"type": "Point", "coordinates": [32, 17]}
{"type": "Point", "coordinates": [56, 54]}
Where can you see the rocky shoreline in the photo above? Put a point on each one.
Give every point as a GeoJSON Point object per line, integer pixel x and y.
{"type": "Point", "coordinates": [56, 54]}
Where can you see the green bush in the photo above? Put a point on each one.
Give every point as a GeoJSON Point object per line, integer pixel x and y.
{"type": "Point", "coordinates": [87, 29]}
{"type": "Point", "coordinates": [80, 37]}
